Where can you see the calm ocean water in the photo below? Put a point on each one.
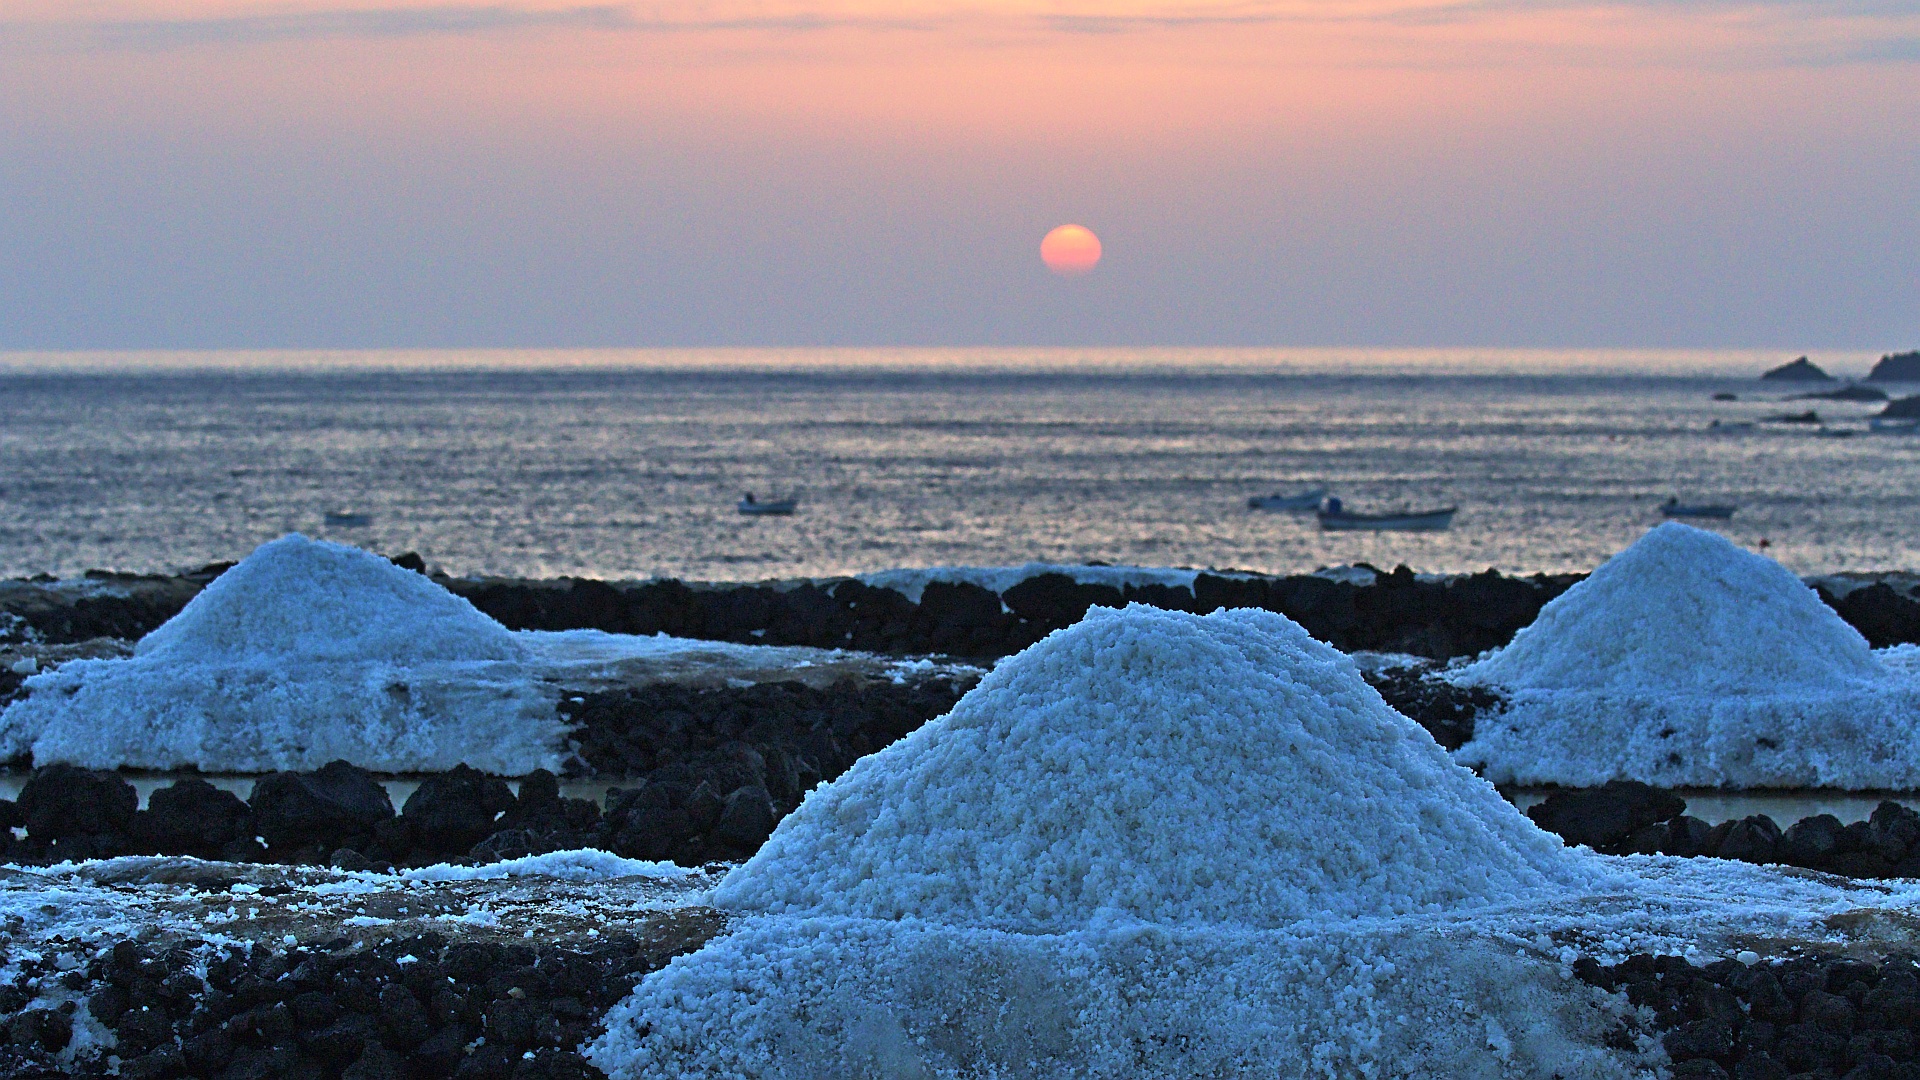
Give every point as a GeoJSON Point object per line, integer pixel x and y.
{"type": "Point", "coordinates": [628, 464]}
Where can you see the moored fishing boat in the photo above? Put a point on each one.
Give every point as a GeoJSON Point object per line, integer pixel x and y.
{"type": "Point", "coordinates": [1337, 518]}
{"type": "Point", "coordinates": [753, 507]}
{"type": "Point", "coordinates": [1301, 502]}
{"type": "Point", "coordinates": [1674, 508]}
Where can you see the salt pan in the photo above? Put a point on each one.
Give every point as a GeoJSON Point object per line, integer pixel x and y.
{"type": "Point", "coordinates": [1688, 661]}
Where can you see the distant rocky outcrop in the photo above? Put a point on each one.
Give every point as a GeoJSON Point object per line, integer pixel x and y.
{"type": "Point", "coordinates": [1897, 367]}
{"type": "Point", "coordinates": [1801, 370]}
{"type": "Point", "coordinates": [1849, 392]}
{"type": "Point", "coordinates": [1906, 408]}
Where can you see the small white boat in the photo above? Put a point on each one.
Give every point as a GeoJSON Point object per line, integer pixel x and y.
{"type": "Point", "coordinates": [346, 519]}
{"type": "Point", "coordinates": [1335, 517]}
{"type": "Point", "coordinates": [770, 508]}
{"type": "Point", "coordinates": [1674, 508]}
{"type": "Point", "coordinates": [1304, 501]}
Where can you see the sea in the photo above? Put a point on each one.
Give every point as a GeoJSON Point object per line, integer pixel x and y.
{"type": "Point", "coordinates": [625, 464]}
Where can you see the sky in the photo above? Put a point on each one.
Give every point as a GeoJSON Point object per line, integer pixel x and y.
{"type": "Point", "coordinates": [192, 174]}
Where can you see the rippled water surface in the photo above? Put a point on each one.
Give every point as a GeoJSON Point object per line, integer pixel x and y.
{"type": "Point", "coordinates": [617, 470]}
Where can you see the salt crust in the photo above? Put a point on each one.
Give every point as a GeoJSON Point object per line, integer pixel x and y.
{"type": "Point", "coordinates": [1686, 661]}
{"type": "Point", "coordinates": [305, 652]}
{"type": "Point", "coordinates": [584, 864]}
{"type": "Point", "coordinates": [1154, 844]}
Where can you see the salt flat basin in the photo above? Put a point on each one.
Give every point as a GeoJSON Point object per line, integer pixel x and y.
{"type": "Point", "coordinates": [1784, 806]}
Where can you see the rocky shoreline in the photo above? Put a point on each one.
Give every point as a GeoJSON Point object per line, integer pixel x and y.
{"type": "Point", "coordinates": [1434, 616]}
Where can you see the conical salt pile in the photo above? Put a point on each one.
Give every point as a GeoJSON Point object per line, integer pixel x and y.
{"type": "Point", "coordinates": [1688, 661]}
{"type": "Point", "coordinates": [1223, 769]}
{"type": "Point", "coordinates": [1154, 844]}
{"type": "Point", "coordinates": [312, 600]}
{"type": "Point", "coordinates": [305, 652]}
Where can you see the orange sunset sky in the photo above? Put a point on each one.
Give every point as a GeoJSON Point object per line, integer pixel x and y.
{"type": "Point", "coordinates": [233, 173]}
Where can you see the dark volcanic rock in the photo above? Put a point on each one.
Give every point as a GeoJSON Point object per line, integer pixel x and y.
{"type": "Point", "coordinates": [1906, 408]}
{"type": "Point", "coordinates": [718, 767]}
{"type": "Point", "coordinates": [1057, 600]}
{"type": "Point", "coordinates": [540, 820]}
{"type": "Point", "coordinates": [73, 813]}
{"type": "Point", "coordinates": [294, 810]}
{"type": "Point", "coordinates": [818, 732]}
{"type": "Point", "coordinates": [1897, 367]}
{"type": "Point", "coordinates": [1818, 1016]}
{"type": "Point", "coordinates": [746, 818]}
{"type": "Point", "coordinates": [961, 605]}
{"type": "Point", "coordinates": [1801, 370]}
{"type": "Point", "coordinates": [1398, 612]}
{"type": "Point", "coordinates": [449, 813]}
{"type": "Point", "coordinates": [409, 1008]}
{"type": "Point", "coordinates": [192, 817]}
{"type": "Point", "coordinates": [1886, 845]}
{"type": "Point", "coordinates": [1883, 616]}
{"type": "Point", "coordinates": [1604, 818]}
{"type": "Point", "coordinates": [1211, 592]}
{"type": "Point", "coordinates": [1812, 841]}
{"type": "Point", "coordinates": [1753, 839]}
{"type": "Point", "coordinates": [1446, 711]}
{"type": "Point", "coordinates": [1850, 392]}
{"type": "Point", "coordinates": [409, 560]}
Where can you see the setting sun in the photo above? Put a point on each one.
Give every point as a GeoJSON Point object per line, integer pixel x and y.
{"type": "Point", "coordinates": [1070, 250]}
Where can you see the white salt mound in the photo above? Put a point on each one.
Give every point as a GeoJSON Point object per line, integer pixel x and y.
{"type": "Point", "coordinates": [304, 653]}
{"type": "Point", "coordinates": [1161, 766]}
{"type": "Point", "coordinates": [1688, 661]}
{"type": "Point", "coordinates": [841, 999]}
{"type": "Point", "coordinates": [1154, 844]}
